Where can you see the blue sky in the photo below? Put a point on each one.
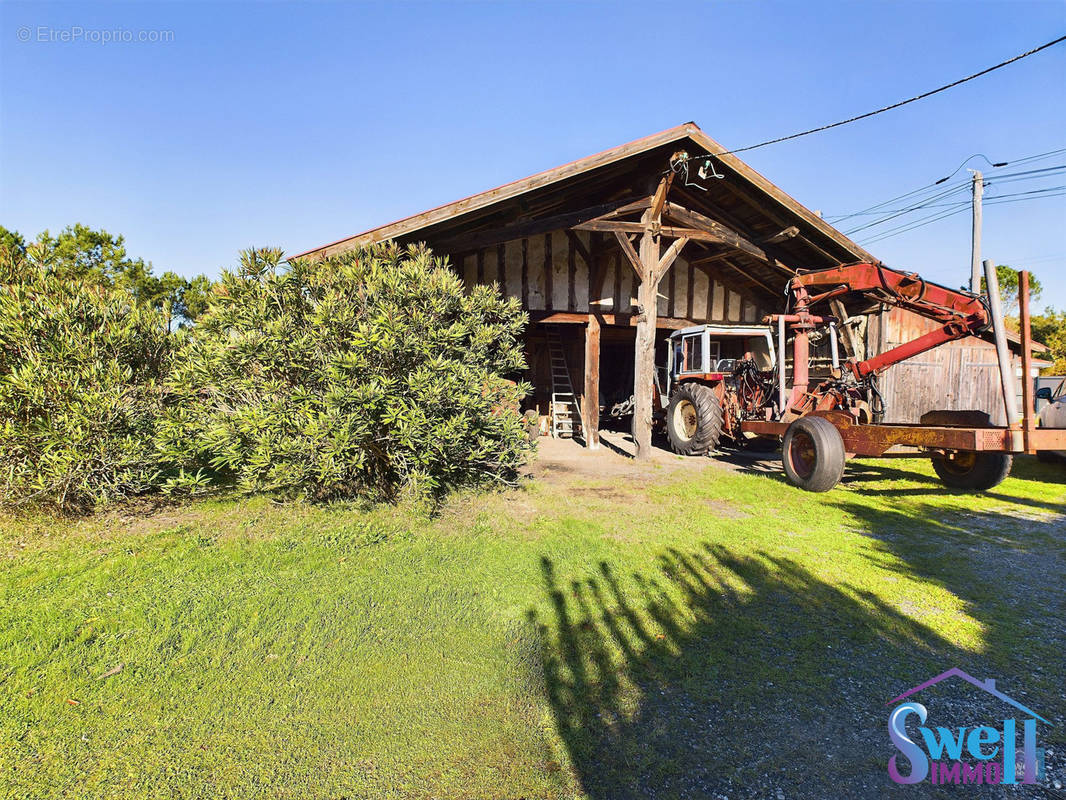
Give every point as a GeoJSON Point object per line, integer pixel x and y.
{"type": "Point", "coordinates": [295, 124]}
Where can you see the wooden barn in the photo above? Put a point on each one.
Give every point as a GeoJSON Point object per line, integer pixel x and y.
{"type": "Point", "coordinates": [612, 252]}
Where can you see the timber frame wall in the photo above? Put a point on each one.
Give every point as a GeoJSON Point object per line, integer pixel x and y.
{"type": "Point", "coordinates": [575, 273]}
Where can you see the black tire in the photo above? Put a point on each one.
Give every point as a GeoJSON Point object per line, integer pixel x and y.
{"type": "Point", "coordinates": [694, 419]}
{"type": "Point", "coordinates": [974, 471]}
{"type": "Point", "coordinates": [813, 454]}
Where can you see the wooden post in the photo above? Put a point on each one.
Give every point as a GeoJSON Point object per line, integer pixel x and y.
{"type": "Point", "coordinates": [644, 361]}
{"type": "Point", "coordinates": [1027, 360]}
{"type": "Point", "coordinates": [590, 408]}
{"type": "Point", "coordinates": [975, 241]}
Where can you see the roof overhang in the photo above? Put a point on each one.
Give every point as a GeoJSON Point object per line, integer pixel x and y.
{"type": "Point", "coordinates": [828, 246]}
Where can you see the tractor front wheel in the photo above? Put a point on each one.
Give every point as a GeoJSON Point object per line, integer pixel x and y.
{"type": "Point", "coordinates": [694, 419]}
{"type": "Point", "coordinates": [976, 472]}
{"type": "Point", "coordinates": [813, 454]}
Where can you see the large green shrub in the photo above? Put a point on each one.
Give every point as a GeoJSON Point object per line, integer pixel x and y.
{"type": "Point", "coordinates": [361, 374]}
{"type": "Point", "coordinates": [80, 363]}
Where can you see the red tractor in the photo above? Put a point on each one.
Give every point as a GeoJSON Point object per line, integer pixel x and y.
{"type": "Point", "coordinates": [821, 426]}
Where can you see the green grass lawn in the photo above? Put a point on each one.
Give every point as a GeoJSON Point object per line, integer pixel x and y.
{"type": "Point", "coordinates": [686, 632]}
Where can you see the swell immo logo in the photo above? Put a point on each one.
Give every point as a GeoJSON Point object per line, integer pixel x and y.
{"type": "Point", "coordinates": [968, 754]}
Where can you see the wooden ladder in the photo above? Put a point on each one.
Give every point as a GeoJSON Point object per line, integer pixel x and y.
{"type": "Point", "coordinates": [565, 411]}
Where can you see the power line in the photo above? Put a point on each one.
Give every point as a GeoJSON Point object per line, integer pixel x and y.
{"type": "Point", "coordinates": [936, 217]}
{"type": "Point", "coordinates": [882, 110]}
{"type": "Point", "coordinates": [874, 209]}
{"type": "Point", "coordinates": [940, 196]}
{"type": "Point", "coordinates": [958, 203]}
{"type": "Point", "coordinates": [1007, 177]}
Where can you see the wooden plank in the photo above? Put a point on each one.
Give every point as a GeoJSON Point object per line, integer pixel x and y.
{"type": "Point", "coordinates": [836, 305]}
{"type": "Point", "coordinates": [701, 293]}
{"type": "Point", "coordinates": [581, 284]}
{"type": "Point", "coordinates": [723, 233]}
{"type": "Point", "coordinates": [549, 277]}
{"type": "Point", "coordinates": [470, 272]}
{"type": "Point", "coordinates": [525, 273]}
{"type": "Point", "coordinates": [523, 229]}
{"type": "Point", "coordinates": [750, 277]}
{"type": "Point", "coordinates": [616, 273]}
{"type": "Point", "coordinates": [718, 312]}
{"type": "Point", "coordinates": [560, 257]}
{"type": "Point", "coordinates": [658, 200]}
{"type": "Point", "coordinates": [669, 256]}
{"type": "Point", "coordinates": [501, 266]}
{"type": "Point", "coordinates": [537, 280]}
{"type": "Point", "coordinates": [571, 271]}
{"type": "Point", "coordinates": [626, 278]}
{"type": "Point", "coordinates": [511, 259]}
{"type": "Point", "coordinates": [630, 253]}
{"type": "Point", "coordinates": [614, 320]}
{"type": "Point", "coordinates": [782, 236]}
{"type": "Point", "coordinates": [590, 406]}
{"type": "Point", "coordinates": [691, 271]}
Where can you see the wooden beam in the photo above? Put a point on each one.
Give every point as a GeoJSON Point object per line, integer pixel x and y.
{"type": "Point", "coordinates": [597, 267]}
{"type": "Point", "coordinates": [518, 230]}
{"type": "Point", "coordinates": [782, 236]}
{"type": "Point", "coordinates": [590, 405]}
{"type": "Point", "coordinates": [628, 208]}
{"type": "Point", "coordinates": [644, 347]}
{"type": "Point", "coordinates": [725, 234]}
{"type": "Point", "coordinates": [669, 257]}
{"type": "Point", "coordinates": [630, 253]}
{"type": "Point", "coordinates": [580, 247]}
{"type": "Point", "coordinates": [750, 277]}
{"type": "Point", "coordinates": [614, 320]}
{"type": "Point", "coordinates": [658, 201]}
{"type": "Point", "coordinates": [841, 313]}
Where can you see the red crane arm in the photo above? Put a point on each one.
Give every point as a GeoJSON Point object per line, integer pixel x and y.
{"type": "Point", "coordinates": [959, 313]}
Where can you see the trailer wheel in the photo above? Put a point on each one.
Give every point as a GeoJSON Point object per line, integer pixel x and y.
{"type": "Point", "coordinates": [813, 454]}
{"type": "Point", "coordinates": [974, 471]}
{"type": "Point", "coordinates": [694, 419]}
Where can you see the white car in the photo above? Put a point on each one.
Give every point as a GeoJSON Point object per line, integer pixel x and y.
{"type": "Point", "coordinates": [1053, 415]}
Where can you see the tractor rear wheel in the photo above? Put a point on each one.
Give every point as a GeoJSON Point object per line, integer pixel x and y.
{"type": "Point", "coordinates": [813, 454]}
{"type": "Point", "coordinates": [974, 471]}
{"type": "Point", "coordinates": [694, 419]}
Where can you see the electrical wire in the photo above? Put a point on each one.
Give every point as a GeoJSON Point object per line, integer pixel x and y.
{"type": "Point", "coordinates": [879, 207]}
{"type": "Point", "coordinates": [963, 202]}
{"type": "Point", "coordinates": [923, 204]}
{"type": "Point", "coordinates": [882, 110]}
{"type": "Point", "coordinates": [930, 219]}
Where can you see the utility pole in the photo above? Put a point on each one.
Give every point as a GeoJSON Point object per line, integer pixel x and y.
{"type": "Point", "coordinates": [975, 250]}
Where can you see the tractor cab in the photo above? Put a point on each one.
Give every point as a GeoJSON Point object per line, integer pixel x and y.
{"type": "Point", "coordinates": [716, 376]}
{"type": "Point", "coordinates": [710, 353]}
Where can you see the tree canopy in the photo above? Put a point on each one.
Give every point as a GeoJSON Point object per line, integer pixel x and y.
{"type": "Point", "coordinates": [79, 253]}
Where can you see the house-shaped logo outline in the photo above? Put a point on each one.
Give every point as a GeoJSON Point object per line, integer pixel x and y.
{"type": "Point", "coordinates": [988, 686]}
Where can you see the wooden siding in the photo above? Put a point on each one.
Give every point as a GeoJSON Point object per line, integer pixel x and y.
{"type": "Point", "coordinates": [549, 273]}
{"type": "Point", "coordinates": [962, 375]}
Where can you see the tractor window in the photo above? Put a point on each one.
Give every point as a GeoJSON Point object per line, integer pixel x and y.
{"type": "Point", "coordinates": [692, 353]}
{"type": "Point", "coordinates": [760, 351]}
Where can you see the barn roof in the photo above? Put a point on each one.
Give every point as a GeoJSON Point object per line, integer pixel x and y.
{"type": "Point", "coordinates": [741, 199]}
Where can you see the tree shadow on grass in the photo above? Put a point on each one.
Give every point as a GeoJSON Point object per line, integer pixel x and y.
{"type": "Point", "coordinates": [731, 675]}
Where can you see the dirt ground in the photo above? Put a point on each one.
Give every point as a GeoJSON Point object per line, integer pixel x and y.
{"type": "Point", "coordinates": [559, 460]}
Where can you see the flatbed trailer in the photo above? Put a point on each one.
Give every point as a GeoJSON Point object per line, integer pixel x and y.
{"type": "Point", "coordinates": [821, 427]}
